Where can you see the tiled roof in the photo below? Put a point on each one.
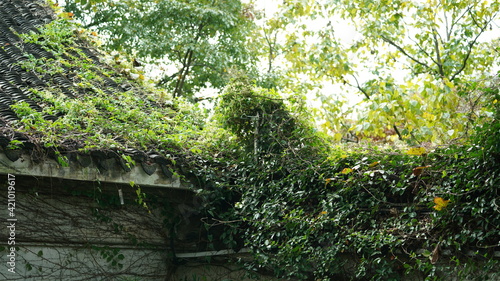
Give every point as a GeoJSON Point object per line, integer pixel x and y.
{"type": "Point", "coordinates": [18, 17]}
{"type": "Point", "coordinates": [17, 83]}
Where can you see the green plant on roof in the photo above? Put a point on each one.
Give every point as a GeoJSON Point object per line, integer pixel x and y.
{"type": "Point", "coordinates": [53, 37]}
{"type": "Point", "coordinates": [103, 116]}
{"type": "Point", "coordinates": [15, 144]}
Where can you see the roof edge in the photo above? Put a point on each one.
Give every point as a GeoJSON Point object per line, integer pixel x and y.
{"type": "Point", "coordinates": [87, 167]}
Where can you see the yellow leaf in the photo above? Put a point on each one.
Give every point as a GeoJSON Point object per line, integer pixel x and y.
{"type": "Point", "coordinates": [440, 203]}
{"type": "Point", "coordinates": [428, 116]}
{"type": "Point", "coordinates": [337, 137]}
{"type": "Point", "coordinates": [449, 84]}
{"type": "Point", "coordinates": [416, 151]}
{"type": "Point", "coordinates": [346, 170]}
{"type": "Point", "coordinates": [418, 170]}
{"type": "Point", "coordinates": [66, 15]}
{"type": "Point", "coordinates": [374, 164]}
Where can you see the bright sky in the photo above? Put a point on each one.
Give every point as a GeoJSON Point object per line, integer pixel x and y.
{"type": "Point", "coordinates": [270, 7]}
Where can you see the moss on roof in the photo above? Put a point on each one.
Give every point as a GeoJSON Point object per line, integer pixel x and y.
{"type": "Point", "coordinates": [58, 91]}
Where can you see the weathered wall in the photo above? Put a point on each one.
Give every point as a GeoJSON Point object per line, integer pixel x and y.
{"type": "Point", "coordinates": [76, 230]}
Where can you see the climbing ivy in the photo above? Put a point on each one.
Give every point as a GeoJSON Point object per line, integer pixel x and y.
{"type": "Point", "coordinates": [313, 212]}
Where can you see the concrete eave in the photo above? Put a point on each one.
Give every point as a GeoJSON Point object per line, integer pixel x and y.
{"type": "Point", "coordinates": [113, 173]}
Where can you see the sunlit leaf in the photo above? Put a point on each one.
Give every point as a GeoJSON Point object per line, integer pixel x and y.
{"type": "Point", "coordinates": [346, 171]}
{"type": "Point", "coordinates": [418, 170]}
{"type": "Point", "coordinates": [449, 84]}
{"type": "Point", "coordinates": [440, 203]}
{"type": "Point", "coordinates": [337, 137]}
{"type": "Point", "coordinates": [416, 151]}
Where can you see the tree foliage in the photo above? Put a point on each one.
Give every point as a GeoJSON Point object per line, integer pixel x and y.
{"type": "Point", "coordinates": [201, 39]}
{"type": "Point", "coordinates": [411, 61]}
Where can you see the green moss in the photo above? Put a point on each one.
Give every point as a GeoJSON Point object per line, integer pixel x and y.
{"type": "Point", "coordinates": [97, 112]}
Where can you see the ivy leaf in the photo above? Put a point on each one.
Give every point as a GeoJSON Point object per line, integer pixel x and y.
{"type": "Point", "coordinates": [416, 151]}
{"type": "Point", "coordinates": [346, 171]}
{"type": "Point", "coordinates": [418, 170]}
{"type": "Point", "coordinates": [440, 203]}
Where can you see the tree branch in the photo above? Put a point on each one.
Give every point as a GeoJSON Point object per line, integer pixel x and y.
{"type": "Point", "coordinates": [166, 79]}
{"type": "Point", "coordinates": [186, 63]}
{"type": "Point", "coordinates": [392, 43]}
{"type": "Point", "coordinates": [271, 44]}
{"type": "Point", "coordinates": [439, 62]}
{"type": "Point", "coordinates": [472, 44]}
{"type": "Point", "coordinates": [456, 20]}
{"type": "Point", "coordinates": [183, 73]}
{"type": "Point", "coordinates": [397, 131]}
{"type": "Point", "coordinates": [423, 50]}
{"type": "Point", "coordinates": [360, 88]}
{"type": "Point", "coordinates": [447, 30]}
